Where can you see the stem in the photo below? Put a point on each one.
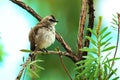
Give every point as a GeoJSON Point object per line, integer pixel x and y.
{"type": "Point", "coordinates": [66, 70]}
{"type": "Point", "coordinates": [117, 39]}
{"type": "Point", "coordinates": [98, 46]}
{"type": "Point", "coordinates": [99, 65]}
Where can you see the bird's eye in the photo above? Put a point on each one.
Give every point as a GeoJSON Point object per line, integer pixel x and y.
{"type": "Point", "coordinates": [51, 20]}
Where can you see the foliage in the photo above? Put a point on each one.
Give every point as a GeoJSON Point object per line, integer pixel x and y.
{"type": "Point", "coordinates": [36, 69]}
{"type": "Point", "coordinates": [95, 66]}
{"type": "Point", "coordinates": [33, 68]}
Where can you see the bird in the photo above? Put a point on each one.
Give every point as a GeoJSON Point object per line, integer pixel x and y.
{"type": "Point", "coordinates": [43, 34]}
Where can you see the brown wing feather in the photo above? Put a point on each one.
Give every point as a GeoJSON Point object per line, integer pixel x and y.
{"type": "Point", "coordinates": [32, 39]}
{"type": "Point", "coordinates": [32, 34]}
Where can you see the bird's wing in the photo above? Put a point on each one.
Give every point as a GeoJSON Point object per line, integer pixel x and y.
{"type": "Point", "coordinates": [32, 35]}
{"type": "Point", "coordinates": [32, 39]}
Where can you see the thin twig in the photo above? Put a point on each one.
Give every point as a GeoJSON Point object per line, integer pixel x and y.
{"type": "Point", "coordinates": [81, 27]}
{"type": "Point", "coordinates": [23, 67]}
{"type": "Point", "coordinates": [117, 39]}
{"type": "Point", "coordinates": [66, 70]}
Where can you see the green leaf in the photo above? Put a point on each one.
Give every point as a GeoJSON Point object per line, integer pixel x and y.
{"type": "Point", "coordinates": [115, 16]}
{"type": "Point", "coordinates": [80, 62]}
{"type": "Point", "coordinates": [41, 68]}
{"type": "Point", "coordinates": [104, 46]}
{"type": "Point", "coordinates": [34, 73]}
{"type": "Point", "coordinates": [105, 43]}
{"type": "Point", "coordinates": [91, 40]}
{"type": "Point", "coordinates": [108, 49]}
{"type": "Point", "coordinates": [94, 50]}
{"type": "Point", "coordinates": [113, 72]}
{"type": "Point", "coordinates": [25, 50]}
{"type": "Point", "coordinates": [105, 70]}
{"type": "Point", "coordinates": [80, 67]}
{"type": "Point", "coordinates": [86, 69]}
{"type": "Point", "coordinates": [106, 57]}
{"type": "Point", "coordinates": [90, 56]}
{"type": "Point", "coordinates": [92, 31]}
{"type": "Point", "coordinates": [35, 61]}
{"type": "Point", "coordinates": [116, 78]}
{"type": "Point", "coordinates": [109, 60]}
{"type": "Point", "coordinates": [114, 27]}
{"type": "Point", "coordinates": [103, 30]}
{"type": "Point", "coordinates": [115, 21]}
{"type": "Point", "coordinates": [105, 35]}
{"type": "Point", "coordinates": [96, 71]}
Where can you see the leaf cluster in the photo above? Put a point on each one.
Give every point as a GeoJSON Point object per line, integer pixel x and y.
{"type": "Point", "coordinates": [95, 66]}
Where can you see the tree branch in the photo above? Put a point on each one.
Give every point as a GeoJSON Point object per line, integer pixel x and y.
{"type": "Point", "coordinates": [117, 39]}
{"type": "Point", "coordinates": [73, 57]}
{"type": "Point", "coordinates": [90, 23]}
{"type": "Point", "coordinates": [81, 27]}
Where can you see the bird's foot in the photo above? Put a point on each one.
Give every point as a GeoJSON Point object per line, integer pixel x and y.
{"type": "Point", "coordinates": [44, 50]}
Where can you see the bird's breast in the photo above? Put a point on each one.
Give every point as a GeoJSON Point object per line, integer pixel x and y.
{"type": "Point", "coordinates": [45, 37]}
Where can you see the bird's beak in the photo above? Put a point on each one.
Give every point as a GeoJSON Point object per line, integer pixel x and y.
{"type": "Point", "coordinates": [56, 21]}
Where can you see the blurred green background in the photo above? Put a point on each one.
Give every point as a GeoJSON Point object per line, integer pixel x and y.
{"type": "Point", "coordinates": [67, 12]}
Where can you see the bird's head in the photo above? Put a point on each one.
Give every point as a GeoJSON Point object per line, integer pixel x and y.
{"type": "Point", "coordinates": [49, 20]}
